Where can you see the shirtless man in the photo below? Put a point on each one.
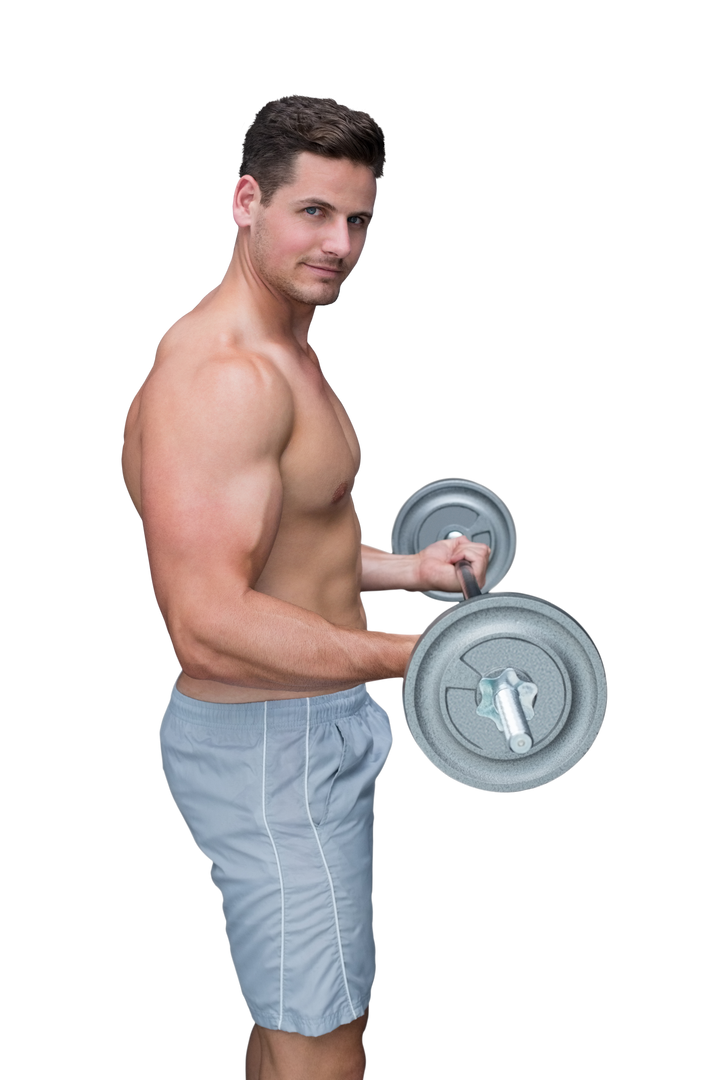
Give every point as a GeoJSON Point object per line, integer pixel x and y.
{"type": "Point", "coordinates": [241, 461]}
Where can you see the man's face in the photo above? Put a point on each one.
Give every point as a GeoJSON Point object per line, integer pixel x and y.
{"type": "Point", "coordinates": [308, 239]}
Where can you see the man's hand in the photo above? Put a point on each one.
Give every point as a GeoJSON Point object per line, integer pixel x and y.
{"type": "Point", "coordinates": [436, 564]}
{"type": "Point", "coordinates": [432, 569]}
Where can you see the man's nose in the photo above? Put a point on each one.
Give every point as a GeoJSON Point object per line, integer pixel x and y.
{"type": "Point", "coordinates": [336, 239]}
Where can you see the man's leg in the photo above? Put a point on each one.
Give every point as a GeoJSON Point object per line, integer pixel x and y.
{"type": "Point", "coordinates": [284, 1055]}
{"type": "Point", "coordinates": [254, 1055]}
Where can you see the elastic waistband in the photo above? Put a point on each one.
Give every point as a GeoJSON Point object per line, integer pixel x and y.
{"type": "Point", "coordinates": [286, 712]}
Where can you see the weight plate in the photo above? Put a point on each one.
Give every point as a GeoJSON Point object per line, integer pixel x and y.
{"type": "Point", "coordinates": [478, 638]}
{"type": "Point", "coordinates": [457, 506]}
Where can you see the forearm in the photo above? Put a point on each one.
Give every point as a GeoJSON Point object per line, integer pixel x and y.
{"type": "Point", "coordinates": [381, 570]}
{"type": "Point", "coordinates": [258, 641]}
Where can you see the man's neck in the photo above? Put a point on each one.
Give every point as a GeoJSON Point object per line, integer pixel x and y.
{"type": "Point", "coordinates": [254, 312]}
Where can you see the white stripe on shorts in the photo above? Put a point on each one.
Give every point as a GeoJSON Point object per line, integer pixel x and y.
{"type": "Point", "coordinates": [277, 860]}
{"type": "Point", "coordinates": [322, 856]}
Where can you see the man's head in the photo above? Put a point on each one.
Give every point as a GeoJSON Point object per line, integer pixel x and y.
{"type": "Point", "coordinates": [306, 192]}
{"type": "Point", "coordinates": [293, 125]}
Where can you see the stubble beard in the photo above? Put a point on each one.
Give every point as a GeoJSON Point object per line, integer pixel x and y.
{"type": "Point", "coordinates": [319, 295]}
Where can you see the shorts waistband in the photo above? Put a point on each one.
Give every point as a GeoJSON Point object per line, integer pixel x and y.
{"type": "Point", "coordinates": [285, 712]}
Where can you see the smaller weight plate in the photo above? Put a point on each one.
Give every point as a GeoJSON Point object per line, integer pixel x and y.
{"type": "Point", "coordinates": [485, 635]}
{"type": "Point", "coordinates": [457, 506]}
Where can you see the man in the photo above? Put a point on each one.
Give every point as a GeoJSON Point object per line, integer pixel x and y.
{"type": "Point", "coordinates": [241, 461]}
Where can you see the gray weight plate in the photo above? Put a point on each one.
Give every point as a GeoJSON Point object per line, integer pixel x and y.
{"type": "Point", "coordinates": [457, 506]}
{"type": "Point", "coordinates": [485, 635]}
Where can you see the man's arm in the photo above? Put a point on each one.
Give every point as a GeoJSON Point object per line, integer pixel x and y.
{"type": "Point", "coordinates": [381, 570]}
{"type": "Point", "coordinates": [432, 568]}
{"type": "Point", "coordinates": [211, 506]}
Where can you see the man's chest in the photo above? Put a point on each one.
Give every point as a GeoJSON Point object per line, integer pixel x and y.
{"type": "Point", "coordinates": [321, 460]}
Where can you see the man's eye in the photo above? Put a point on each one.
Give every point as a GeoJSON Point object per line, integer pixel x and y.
{"type": "Point", "coordinates": [314, 212]}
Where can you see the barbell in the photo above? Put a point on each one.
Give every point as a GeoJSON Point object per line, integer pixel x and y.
{"type": "Point", "coordinates": [504, 691]}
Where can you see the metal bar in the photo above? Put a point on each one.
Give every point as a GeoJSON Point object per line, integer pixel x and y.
{"type": "Point", "coordinates": [513, 719]}
{"type": "Point", "coordinates": [468, 582]}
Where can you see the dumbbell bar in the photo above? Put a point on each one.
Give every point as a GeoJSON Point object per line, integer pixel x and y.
{"type": "Point", "coordinates": [505, 691]}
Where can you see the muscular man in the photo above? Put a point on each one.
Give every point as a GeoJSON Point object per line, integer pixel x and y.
{"type": "Point", "coordinates": [241, 462]}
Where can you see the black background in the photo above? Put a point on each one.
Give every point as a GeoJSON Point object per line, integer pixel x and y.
{"type": "Point", "coordinates": [474, 339]}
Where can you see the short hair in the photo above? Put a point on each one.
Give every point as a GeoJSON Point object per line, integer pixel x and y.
{"type": "Point", "coordinates": [287, 127]}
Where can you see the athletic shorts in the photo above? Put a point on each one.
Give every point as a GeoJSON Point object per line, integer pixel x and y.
{"type": "Point", "coordinates": [279, 795]}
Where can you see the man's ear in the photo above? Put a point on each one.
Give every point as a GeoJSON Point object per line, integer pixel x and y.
{"type": "Point", "coordinates": [245, 191]}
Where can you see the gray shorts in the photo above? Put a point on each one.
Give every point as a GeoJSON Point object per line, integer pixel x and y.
{"type": "Point", "coordinates": [279, 794]}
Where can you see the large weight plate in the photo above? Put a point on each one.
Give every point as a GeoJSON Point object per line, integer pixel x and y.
{"type": "Point", "coordinates": [485, 635]}
{"type": "Point", "coordinates": [457, 506]}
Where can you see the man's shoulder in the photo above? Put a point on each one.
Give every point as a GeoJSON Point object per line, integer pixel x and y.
{"type": "Point", "coordinates": [207, 361]}
{"type": "Point", "coordinates": [226, 406]}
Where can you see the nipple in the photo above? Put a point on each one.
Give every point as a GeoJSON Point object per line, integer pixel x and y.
{"type": "Point", "coordinates": [341, 491]}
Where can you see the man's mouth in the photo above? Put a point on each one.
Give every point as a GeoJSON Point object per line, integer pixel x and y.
{"type": "Point", "coordinates": [324, 271]}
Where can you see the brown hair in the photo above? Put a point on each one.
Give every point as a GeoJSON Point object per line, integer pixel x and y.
{"type": "Point", "coordinates": [287, 127]}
